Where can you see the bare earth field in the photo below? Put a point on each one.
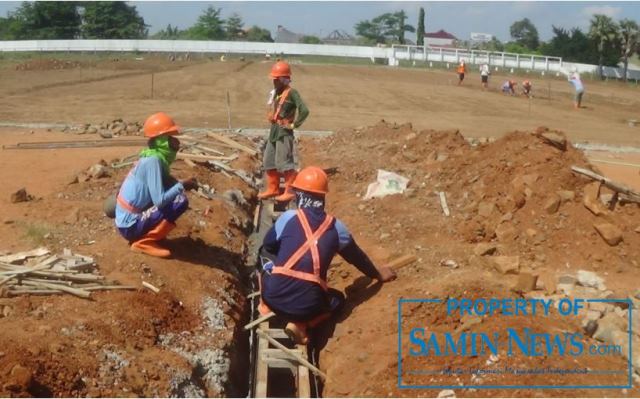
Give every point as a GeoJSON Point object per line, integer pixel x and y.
{"type": "Point", "coordinates": [186, 340]}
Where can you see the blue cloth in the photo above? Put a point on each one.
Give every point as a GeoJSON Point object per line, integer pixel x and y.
{"type": "Point", "coordinates": [153, 216]}
{"type": "Point", "coordinates": [143, 188]}
{"type": "Point", "coordinates": [300, 299]}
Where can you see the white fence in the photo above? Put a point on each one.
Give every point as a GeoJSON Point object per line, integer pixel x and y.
{"type": "Point", "coordinates": [392, 54]}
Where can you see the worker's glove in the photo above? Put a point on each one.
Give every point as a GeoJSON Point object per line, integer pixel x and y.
{"type": "Point", "coordinates": [386, 274]}
{"type": "Point", "coordinates": [189, 184]}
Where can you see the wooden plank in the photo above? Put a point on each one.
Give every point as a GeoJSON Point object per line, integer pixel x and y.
{"type": "Point", "coordinates": [615, 186]}
{"type": "Point", "coordinates": [402, 261]}
{"type": "Point", "coordinates": [194, 157]}
{"type": "Point", "coordinates": [150, 287]}
{"type": "Point", "coordinates": [259, 320]}
{"type": "Point", "coordinates": [24, 255]}
{"type": "Point", "coordinates": [277, 333]}
{"type": "Point", "coordinates": [262, 369]}
{"type": "Point", "coordinates": [49, 145]}
{"type": "Point", "coordinates": [305, 362]}
{"type": "Point", "coordinates": [443, 203]}
{"type": "Point", "coordinates": [233, 143]}
{"type": "Point", "coordinates": [303, 381]}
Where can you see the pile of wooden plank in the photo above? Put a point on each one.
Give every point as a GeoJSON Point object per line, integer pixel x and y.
{"type": "Point", "coordinates": [37, 272]}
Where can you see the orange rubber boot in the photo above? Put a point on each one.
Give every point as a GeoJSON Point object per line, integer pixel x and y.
{"type": "Point", "coordinates": [288, 195]}
{"type": "Point", "coordinates": [272, 184]}
{"type": "Point", "coordinates": [297, 332]}
{"type": "Point", "coordinates": [149, 245]}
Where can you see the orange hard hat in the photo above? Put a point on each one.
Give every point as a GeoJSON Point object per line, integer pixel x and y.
{"type": "Point", "coordinates": [280, 69]}
{"type": "Point", "coordinates": [312, 179]}
{"type": "Point", "coordinates": [159, 124]}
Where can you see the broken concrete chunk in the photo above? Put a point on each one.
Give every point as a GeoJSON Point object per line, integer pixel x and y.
{"type": "Point", "coordinates": [590, 279]}
{"type": "Point", "coordinates": [549, 282]}
{"type": "Point", "coordinates": [447, 393]}
{"type": "Point", "coordinates": [608, 325]}
{"type": "Point", "coordinates": [566, 196]}
{"type": "Point", "coordinates": [505, 232]}
{"type": "Point", "coordinates": [555, 139]}
{"type": "Point", "coordinates": [485, 209]}
{"type": "Point", "coordinates": [610, 233]}
{"type": "Point", "coordinates": [552, 204]}
{"type": "Point", "coordinates": [506, 264]}
{"type": "Point", "coordinates": [526, 283]}
{"type": "Point", "coordinates": [485, 249]}
{"type": "Point", "coordinates": [98, 171]}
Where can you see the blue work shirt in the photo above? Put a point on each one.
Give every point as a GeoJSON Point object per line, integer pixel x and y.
{"type": "Point", "coordinates": [298, 297]}
{"type": "Point", "coordinates": [144, 188]}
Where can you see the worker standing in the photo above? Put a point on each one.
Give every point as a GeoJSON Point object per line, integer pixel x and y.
{"type": "Point", "coordinates": [484, 75]}
{"type": "Point", "coordinates": [461, 70]}
{"type": "Point", "coordinates": [575, 80]}
{"type": "Point", "coordinates": [302, 244]}
{"type": "Point", "coordinates": [278, 157]}
{"type": "Point", "coordinates": [150, 200]}
{"type": "Point", "coordinates": [526, 88]}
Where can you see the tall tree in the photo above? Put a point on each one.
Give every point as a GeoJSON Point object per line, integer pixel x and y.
{"type": "Point", "coordinates": [169, 33]}
{"type": "Point", "coordinates": [389, 27]}
{"type": "Point", "coordinates": [112, 20]}
{"type": "Point", "coordinates": [630, 41]}
{"type": "Point", "coordinates": [402, 27]}
{"type": "Point", "coordinates": [258, 34]}
{"type": "Point", "coordinates": [233, 27]}
{"type": "Point", "coordinates": [525, 34]}
{"type": "Point", "coordinates": [604, 31]}
{"type": "Point", "coordinates": [45, 20]}
{"type": "Point", "coordinates": [420, 31]}
{"type": "Point", "coordinates": [208, 27]}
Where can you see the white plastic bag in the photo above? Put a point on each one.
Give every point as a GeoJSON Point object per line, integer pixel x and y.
{"type": "Point", "coordinates": [387, 183]}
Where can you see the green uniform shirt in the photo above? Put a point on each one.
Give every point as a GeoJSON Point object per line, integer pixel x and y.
{"type": "Point", "coordinates": [292, 103]}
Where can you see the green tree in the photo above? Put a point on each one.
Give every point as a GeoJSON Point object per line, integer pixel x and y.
{"type": "Point", "coordinates": [629, 40]}
{"type": "Point", "coordinates": [169, 33]}
{"type": "Point", "coordinates": [233, 27]}
{"type": "Point", "coordinates": [525, 34]}
{"type": "Point", "coordinates": [421, 28]}
{"type": "Point", "coordinates": [112, 20]}
{"type": "Point", "coordinates": [258, 34]}
{"type": "Point", "coordinates": [604, 31]}
{"type": "Point", "coordinates": [310, 39]}
{"type": "Point", "coordinates": [11, 28]}
{"type": "Point", "coordinates": [44, 20]}
{"type": "Point", "coordinates": [208, 27]}
{"type": "Point", "coordinates": [389, 27]}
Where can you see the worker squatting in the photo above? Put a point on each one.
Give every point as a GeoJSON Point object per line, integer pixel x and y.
{"type": "Point", "coordinates": [525, 341]}
{"type": "Point", "coordinates": [297, 250]}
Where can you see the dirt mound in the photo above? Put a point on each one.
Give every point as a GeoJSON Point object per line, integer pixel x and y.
{"type": "Point", "coordinates": [49, 64]}
{"type": "Point", "coordinates": [515, 197]}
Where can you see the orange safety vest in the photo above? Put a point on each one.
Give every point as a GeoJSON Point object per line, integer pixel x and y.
{"type": "Point", "coordinates": [310, 245]}
{"type": "Point", "coordinates": [462, 68]}
{"type": "Point", "coordinates": [274, 116]}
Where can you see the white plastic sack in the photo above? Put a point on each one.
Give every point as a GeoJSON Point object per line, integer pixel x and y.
{"type": "Point", "coordinates": [387, 183]}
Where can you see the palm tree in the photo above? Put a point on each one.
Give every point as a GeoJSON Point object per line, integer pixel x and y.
{"type": "Point", "coordinates": [603, 30]}
{"type": "Point", "coordinates": [630, 40]}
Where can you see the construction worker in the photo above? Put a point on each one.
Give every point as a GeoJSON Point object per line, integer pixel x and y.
{"type": "Point", "coordinates": [150, 200]}
{"type": "Point", "coordinates": [509, 87]}
{"type": "Point", "coordinates": [526, 88]}
{"type": "Point", "coordinates": [461, 70]}
{"type": "Point", "coordinates": [278, 154]}
{"type": "Point", "coordinates": [302, 244]}
{"type": "Point", "coordinates": [484, 75]}
{"type": "Point", "coordinates": [574, 79]}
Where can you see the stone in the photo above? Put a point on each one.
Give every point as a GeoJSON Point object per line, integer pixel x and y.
{"type": "Point", "coordinates": [98, 171]}
{"type": "Point", "coordinates": [590, 279]}
{"type": "Point", "coordinates": [506, 264]}
{"type": "Point", "coordinates": [485, 249]}
{"type": "Point", "coordinates": [590, 200]}
{"type": "Point", "coordinates": [637, 230]}
{"type": "Point", "coordinates": [19, 379]}
{"type": "Point", "coordinates": [549, 282]}
{"type": "Point", "coordinates": [555, 139]}
{"type": "Point", "coordinates": [526, 282]}
{"type": "Point", "coordinates": [485, 209]}
{"type": "Point", "coordinates": [552, 204]}
{"type": "Point", "coordinates": [105, 134]}
{"type": "Point", "coordinates": [468, 321]}
{"type": "Point", "coordinates": [410, 136]}
{"type": "Point", "coordinates": [132, 128]}
{"type": "Point", "coordinates": [590, 322]}
{"type": "Point", "coordinates": [610, 233]}
{"type": "Point", "coordinates": [530, 179]}
{"type": "Point", "coordinates": [607, 326]}
{"type": "Point", "coordinates": [566, 195]}
{"type": "Point", "coordinates": [92, 130]}
{"type": "Point", "coordinates": [21, 196]}
{"type": "Point", "coordinates": [602, 307]}
{"type": "Point", "coordinates": [447, 393]}
{"type": "Point", "coordinates": [505, 232]}
{"type": "Point", "coordinates": [531, 232]}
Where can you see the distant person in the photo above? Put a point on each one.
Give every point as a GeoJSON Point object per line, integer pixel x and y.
{"type": "Point", "coordinates": [526, 88]}
{"type": "Point", "coordinates": [574, 79]}
{"type": "Point", "coordinates": [484, 75]}
{"type": "Point", "coordinates": [461, 70]}
{"type": "Point", "coordinates": [287, 112]}
{"type": "Point", "coordinates": [150, 199]}
{"type": "Point", "coordinates": [509, 87]}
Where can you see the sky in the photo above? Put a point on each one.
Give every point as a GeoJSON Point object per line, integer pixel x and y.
{"type": "Point", "coordinates": [322, 17]}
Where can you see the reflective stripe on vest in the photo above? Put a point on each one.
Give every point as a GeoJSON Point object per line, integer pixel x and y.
{"type": "Point", "coordinates": [310, 245]}
{"type": "Point", "coordinates": [275, 118]}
